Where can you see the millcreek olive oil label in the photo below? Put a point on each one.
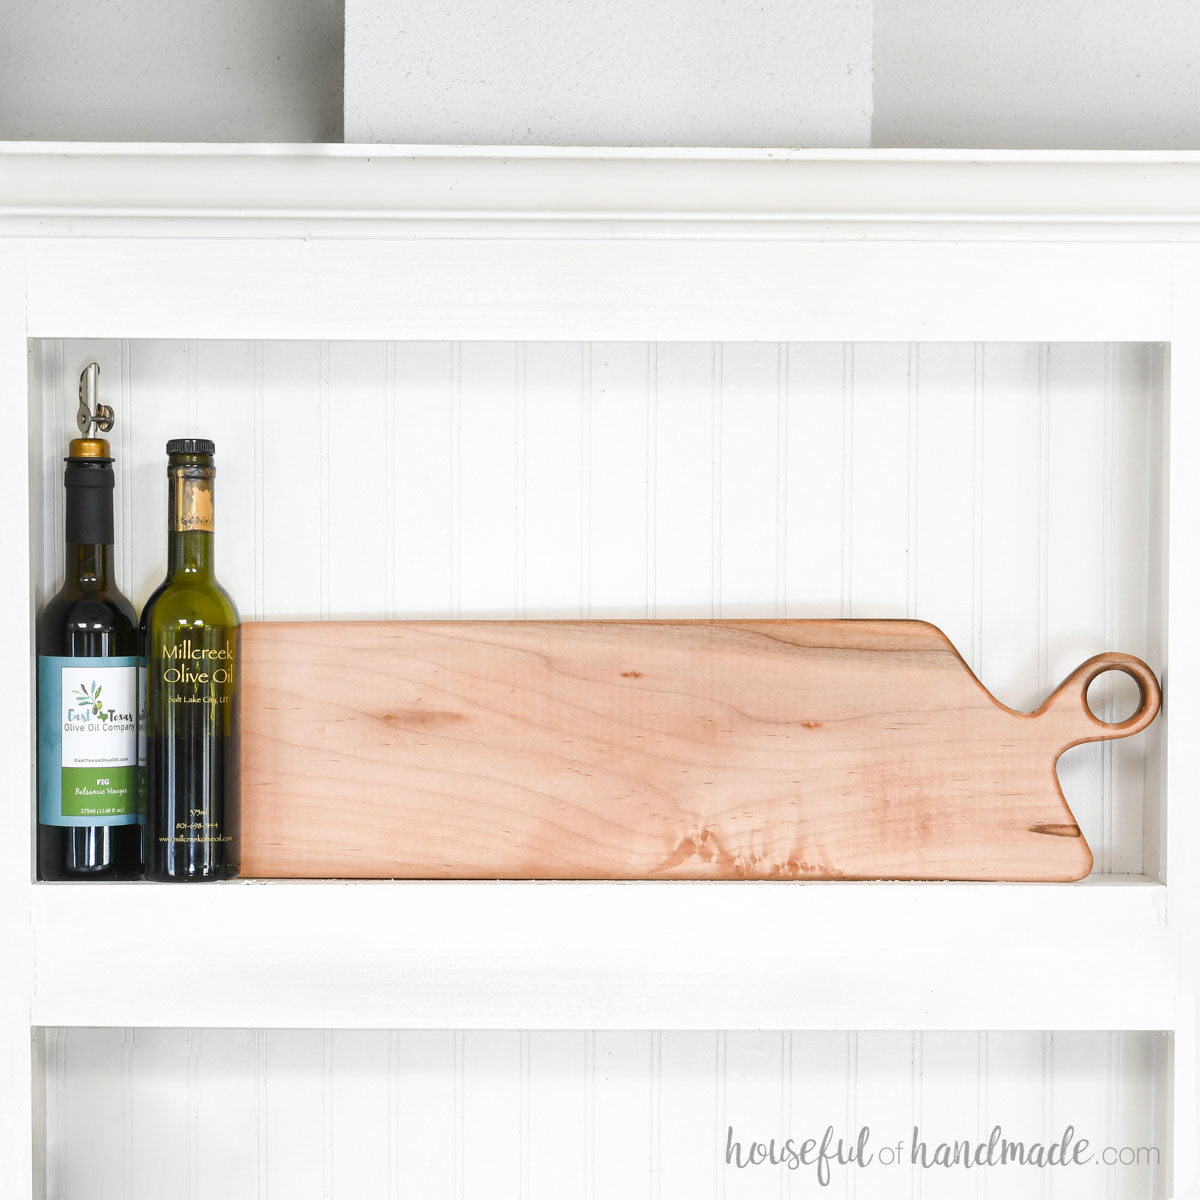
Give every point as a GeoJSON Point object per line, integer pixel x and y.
{"type": "Point", "coordinates": [193, 672]}
{"type": "Point", "coordinates": [88, 740]}
{"type": "Point", "coordinates": [198, 666]}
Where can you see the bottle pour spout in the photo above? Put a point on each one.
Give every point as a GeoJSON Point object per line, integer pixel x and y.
{"type": "Point", "coordinates": [91, 413]}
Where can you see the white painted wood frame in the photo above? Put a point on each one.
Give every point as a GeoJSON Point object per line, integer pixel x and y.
{"type": "Point", "coordinates": [448, 244]}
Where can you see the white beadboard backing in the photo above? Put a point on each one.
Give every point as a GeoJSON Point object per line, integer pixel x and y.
{"type": "Point", "coordinates": [204, 1114]}
{"type": "Point", "coordinates": [1010, 493]}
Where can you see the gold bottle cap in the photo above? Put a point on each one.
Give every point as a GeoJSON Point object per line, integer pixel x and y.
{"type": "Point", "coordinates": [88, 448]}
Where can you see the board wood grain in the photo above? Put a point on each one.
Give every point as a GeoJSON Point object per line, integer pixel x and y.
{"type": "Point", "coordinates": [653, 750]}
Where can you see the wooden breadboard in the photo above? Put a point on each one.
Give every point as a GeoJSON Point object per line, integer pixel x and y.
{"type": "Point", "coordinates": [652, 750]}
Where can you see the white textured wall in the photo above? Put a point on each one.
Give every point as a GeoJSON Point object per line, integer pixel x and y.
{"type": "Point", "coordinates": [1059, 74]}
{"type": "Point", "coordinates": [156, 1114]}
{"type": "Point", "coordinates": [958, 73]}
{"type": "Point", "coordinates": [962, 73]}
{"type": "Point", "coordinates": [171, 70]}
{"type": "Point", "coordinates": [609, 72]}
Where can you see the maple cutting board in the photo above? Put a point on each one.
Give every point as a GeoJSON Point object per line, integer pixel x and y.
{"type": "Point", "coordinates": [652, 750]}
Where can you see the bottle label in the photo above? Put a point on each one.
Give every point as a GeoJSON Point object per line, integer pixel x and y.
{"type": "Point", "coordinates": [192, 699]}
{"type": "Point", "coordinates": [199, 668]}
{"type": "Point", "coordinates": [88, 740]}
{"type": "Point", "coordinates": [142, 777]}
{"type": "Point", "coordinates": [192, 511]}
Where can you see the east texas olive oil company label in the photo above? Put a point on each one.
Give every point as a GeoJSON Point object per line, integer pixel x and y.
{"type": "Point", "coordinates": [88, 756]}
{"type": "Point", "coordinates": [141, 742]}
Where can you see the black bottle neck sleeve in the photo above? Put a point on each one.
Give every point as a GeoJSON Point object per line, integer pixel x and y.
{"type": "Point", "coordinates": [89, 503]}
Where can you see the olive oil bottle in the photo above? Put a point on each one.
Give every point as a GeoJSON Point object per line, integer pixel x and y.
{"type": "Point", "coordinates": [88, 681]}
{"type": "Point", "coordinates": [191, 639]}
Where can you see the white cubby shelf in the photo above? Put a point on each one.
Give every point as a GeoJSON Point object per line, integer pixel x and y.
{"type": "Point", "coordinates": [672, 955]}
{"type": "Point", "coordinates": [983, 365]}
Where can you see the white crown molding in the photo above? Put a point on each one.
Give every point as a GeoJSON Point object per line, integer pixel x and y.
{"type": "Point", "coordinates": [101, 189]}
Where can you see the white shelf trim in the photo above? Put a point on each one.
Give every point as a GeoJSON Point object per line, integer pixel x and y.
{"type": "Point", "coordinates": [564, 955]}
{"type": "Point", "coordinates": [65, 190]}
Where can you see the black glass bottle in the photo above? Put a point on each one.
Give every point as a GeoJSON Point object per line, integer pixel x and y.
{"type": "Point", "coordinates": [191, 639]}
{"type": "Point", "coordinates": [88, 693]}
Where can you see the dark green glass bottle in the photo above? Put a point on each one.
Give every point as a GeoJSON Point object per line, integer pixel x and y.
{"type": "Point", "coordinates": [191, 639]}
{"type": "Point", "coordinates": [87, 645]}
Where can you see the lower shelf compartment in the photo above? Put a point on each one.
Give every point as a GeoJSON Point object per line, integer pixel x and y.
{"type": "Point", "coordinates": [227, 1114]}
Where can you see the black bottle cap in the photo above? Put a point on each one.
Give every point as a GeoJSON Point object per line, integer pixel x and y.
{"type": "Point", "coordinates": [191, 446]}
{"type": "Point", "coordinates": [89, 482]}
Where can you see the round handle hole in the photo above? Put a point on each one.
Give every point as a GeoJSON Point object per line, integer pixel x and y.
{"type": "Point", "coordinates": [1114, 696]}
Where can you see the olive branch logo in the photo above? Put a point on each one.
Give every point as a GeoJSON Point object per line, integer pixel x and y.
{"type": "Point", "coordinates": [90, 698]}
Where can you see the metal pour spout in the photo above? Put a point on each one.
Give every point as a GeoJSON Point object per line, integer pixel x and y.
{"type": "Point", "coordinates": [91, 413]}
